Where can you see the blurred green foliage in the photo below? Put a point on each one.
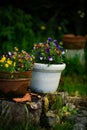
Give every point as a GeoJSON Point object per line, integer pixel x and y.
{"type": "Point", "coordinates": [74, 66]}
{"type": "Point", "coordinates": [20, 29]}
{"type": "Point", "coordinates": [15, 29]}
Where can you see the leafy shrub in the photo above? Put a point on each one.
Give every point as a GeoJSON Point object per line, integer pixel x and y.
{"type": "Point", "coordinates": [73, 66]}
{"type": "Point", "coordinates": [20, 29]}
{"type": "Point", "coordinates": [15, 29]}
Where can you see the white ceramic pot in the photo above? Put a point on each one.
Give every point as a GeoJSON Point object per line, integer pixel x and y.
{"type": "Point", "coordinates": [45, 79]}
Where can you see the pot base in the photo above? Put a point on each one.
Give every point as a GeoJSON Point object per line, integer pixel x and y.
{"type": "Point", "coordinates": [14, 87]}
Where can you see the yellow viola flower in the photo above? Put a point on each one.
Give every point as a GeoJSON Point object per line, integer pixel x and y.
{"type": "Point", "coordinates": [19, 55]}
{"type": "Point", "coordinates": [20, 60]}
{"type": "Point", "coordinates": [9, 62]}
{"type": "Point", "coordinates": [41, 44]}
{"type": "Point", "coordinates": [14, 64]}
{"type": "Point", "coordinates": [22, 66]}
{"type": "Point", "coordinates": [15, 48]}
{"type": "Point", "coordinates": [23, 52]}
{"type": "Point", "coordinates": [16, 61]}
{"type": "Point", "coordinates": [14, 57]}
{"type": "Point", "coordinates": [3, 59]}
{"type": "Point", "coordinates": [31, 58]}
{"type": "Point", "coordinates": [6, 65]}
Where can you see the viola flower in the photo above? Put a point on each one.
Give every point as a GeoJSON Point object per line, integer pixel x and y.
{"type": "Point", "coordinates": [41, 58]}
{"type": "Point", "coordinates": [49, 40]}
{"type": "Point", "coordinates": [49, 52]}
{"type": "Point", "coordinates": [6, 65]}
{"type": "Point", "coordinates": [9, 61]}
{"type": "Point", "coordinates": [56, 44]}
{"type": "Point", "coordinates": [50, 58]}
{"type": "Point", "coordinates": [16, 61]}
{"type": "Point", "coordinates": [3, 58]}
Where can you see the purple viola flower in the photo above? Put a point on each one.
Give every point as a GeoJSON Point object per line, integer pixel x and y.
{"type": "Point", "coordinates": [56, 44]}
{"type": "Point", "coordinates": [47, 49]}
{"type": "Point", "coordinates": [50, 58]}
{"type": "Point", "coordinates": [49, 40]}
{"type": "Point", "coordinates": [38, 55]}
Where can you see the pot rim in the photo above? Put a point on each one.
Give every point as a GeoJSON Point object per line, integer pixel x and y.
{"type": "Point", "coordinates": [16, 72]}
{"type": "Point", "coordinates": [22, 79]}
{"type": "Point", "coordinates": [41, 66]}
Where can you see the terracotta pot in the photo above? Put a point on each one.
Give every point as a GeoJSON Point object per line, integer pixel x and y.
{"type": "Point", "coordinates": [14, 87]}
{"type": "Point", "coordinates": [70, 41]}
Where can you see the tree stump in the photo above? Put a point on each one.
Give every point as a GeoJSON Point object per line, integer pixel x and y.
{"type": "Point", "coordinates": [20, 113]}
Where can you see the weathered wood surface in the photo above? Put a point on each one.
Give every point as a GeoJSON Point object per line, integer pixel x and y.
{"type": "Point", "coordinates": [78, 101]}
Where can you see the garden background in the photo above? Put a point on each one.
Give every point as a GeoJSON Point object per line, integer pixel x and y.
{"type": "Point", "coordinates": [25, 22]}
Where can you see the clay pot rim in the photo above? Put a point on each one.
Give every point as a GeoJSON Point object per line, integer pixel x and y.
{"type": "Point", "coordinates": [17, 79]}
{"type": "Point", "coordinates": [71, 36]}
{"type": "Point", "coordinates": [16, 72]}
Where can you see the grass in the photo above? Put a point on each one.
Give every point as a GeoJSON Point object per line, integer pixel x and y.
{"type": "Point", "coordinates": [75, 85]}
{"type": "Point", "coordinates": [66, 126]}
